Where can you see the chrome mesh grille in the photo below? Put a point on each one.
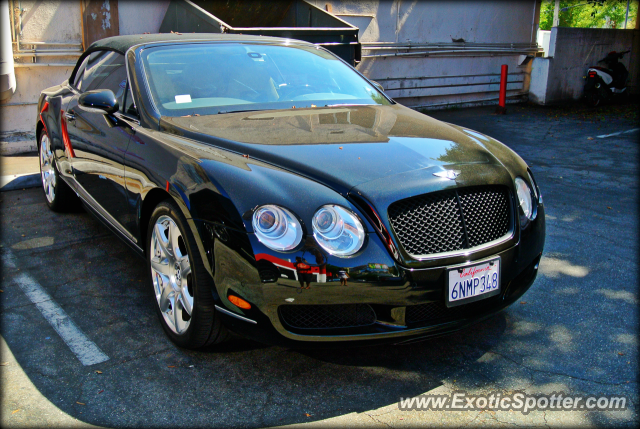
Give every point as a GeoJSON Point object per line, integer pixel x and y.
{"type": "Point", "coordinates": [327, 316]}
{"type": "Point", "coordinates": [486, 214]}
{"type": "Point", "coordinates": [451, 220]}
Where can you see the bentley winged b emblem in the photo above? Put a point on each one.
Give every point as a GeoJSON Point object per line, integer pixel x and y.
{"type": "Point", "coordinates": [448, 174]}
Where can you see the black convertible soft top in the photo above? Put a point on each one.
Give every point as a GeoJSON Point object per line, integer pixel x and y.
{"type": "Point", "coordinates": [123, 43]}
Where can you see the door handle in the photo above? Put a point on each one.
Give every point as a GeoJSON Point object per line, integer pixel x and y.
{"type": "Point", "coordinates": [70, 116]}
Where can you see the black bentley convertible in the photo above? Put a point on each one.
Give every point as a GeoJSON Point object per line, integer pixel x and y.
{"type": "Point", "coordinates": [276, 192]}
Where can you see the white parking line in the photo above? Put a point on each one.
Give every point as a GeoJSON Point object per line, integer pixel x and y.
{"type": "Point", "coordinates": [617, 134]}
{"type": "Point", "coordinates": [85, 350]}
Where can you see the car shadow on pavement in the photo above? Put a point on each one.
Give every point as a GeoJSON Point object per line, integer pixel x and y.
{"type": "Point", "coordinates": [302, 385]}
{"type": "Point", "coordinates": [101, 285]}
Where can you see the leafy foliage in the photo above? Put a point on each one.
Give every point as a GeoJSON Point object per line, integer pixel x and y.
{"type": "Point", "coordinates": [589, 13]}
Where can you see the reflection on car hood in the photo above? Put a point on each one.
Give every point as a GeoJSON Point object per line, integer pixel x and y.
{"type": "Point", "coordinates": [341, 146]}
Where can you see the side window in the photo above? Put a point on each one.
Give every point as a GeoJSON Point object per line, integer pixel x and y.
{"type": "Point", "coordinates": [80, 72]}
{"type": "Point", "coordinates": [77, 82]}
{"type": "Point", "coordinates": [83, 76]}
{"type": "Point", "coordinates": [108, 72]}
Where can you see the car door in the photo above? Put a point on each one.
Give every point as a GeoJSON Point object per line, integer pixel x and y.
{"type": "Point", "coordinates": [99, 140]}
{"type": "Point", "coordinates": [57, 123]}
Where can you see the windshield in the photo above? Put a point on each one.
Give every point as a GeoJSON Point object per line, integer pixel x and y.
{"type": "Point", "coordinates": [220, 78]}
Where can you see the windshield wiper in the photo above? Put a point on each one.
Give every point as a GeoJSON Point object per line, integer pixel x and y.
{"type": "Point", "coordinates": [221, 112]}
{"type": "Point", "coordinates": [346, 104]}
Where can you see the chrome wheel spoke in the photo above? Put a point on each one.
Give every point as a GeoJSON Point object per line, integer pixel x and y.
{"type": "Point", "coordinates": [185, 267]}
{"type": "Point", "coordinates": [177, 316]}
{"type": "Point", "coordinates": [186, 301]}
{"type": "Point", "coordinates": [165, 298]}
{"type": "Point", "coordinates": [174, 235]}
{"type": "Point", "coordinates": [158, 285]}
{"type": "Point", "coordinates": [160, 240]}
{"type": "Point", "coordinates": [169, 243]}
{"type": "Point", "coordinates": [160, 266]}
{"type": "Point", "coordinates": [49, 178]}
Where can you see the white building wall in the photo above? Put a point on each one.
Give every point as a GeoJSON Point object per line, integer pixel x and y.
{"type": "Point", "coordinates": [434, 80]}
{"type": "Point", "coordinates": [440, 80]}
{"type": "Point", "coordinates": [544, 37]}
{"type": "Point", "coordinates": [141, 16]}
{"type": "Point", "coordinates": [51, 21]}
{"type": "Point", "coordinates": [539, 78]}
{"type": "Point", "coordinates": [55, 22]}
{"type": "Point", "coordinates": [439, 21]}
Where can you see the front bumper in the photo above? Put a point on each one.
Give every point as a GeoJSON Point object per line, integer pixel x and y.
{"type": "Point", "coordinates": [393, 298]}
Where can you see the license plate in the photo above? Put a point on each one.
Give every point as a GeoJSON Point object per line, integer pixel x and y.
{"type": "Point", "coordinates": [473, 282]}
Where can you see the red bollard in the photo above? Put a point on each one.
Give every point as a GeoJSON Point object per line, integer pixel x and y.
{"type": "Point", "coordinates": [502, 109]}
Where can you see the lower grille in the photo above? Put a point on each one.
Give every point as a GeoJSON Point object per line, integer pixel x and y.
{"type": "Point", "coordinates": [438, 311]}
{"type": "Point", "coordinates": [451, 220]}
{"type": "Point", "coordinates": [327, 316]}
{"type": "Point", "coordinates": [429, 311]}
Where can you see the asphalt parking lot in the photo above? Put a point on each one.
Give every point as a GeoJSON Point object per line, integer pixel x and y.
{"type": "Point", "coordinates": [574, 331]}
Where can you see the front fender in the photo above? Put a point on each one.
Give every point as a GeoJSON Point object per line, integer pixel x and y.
{"type": "Point", "coordinates": [217, 190]}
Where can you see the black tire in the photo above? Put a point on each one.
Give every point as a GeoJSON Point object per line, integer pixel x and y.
{"type": "Point", "coordinates": [592, 99]}
{"type": "Point", "coordinates": [58, 195]}
{"type": "Point", "coordinates": [204, 327]}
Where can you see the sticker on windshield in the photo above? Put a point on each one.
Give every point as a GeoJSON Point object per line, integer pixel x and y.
{"type": "Point", "coordinates": [255, 56]}
{"type": "Point", "coordinates": [183, 98]}
{"type": "Point", "coordinates": [123, 84]}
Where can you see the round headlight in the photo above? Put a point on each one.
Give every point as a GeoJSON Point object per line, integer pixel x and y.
{"type": "Point", "coordinates": [337, 230]}
{"type": "Point", "coordinates": [524, 197]}
{"type": "Point", "coordinates": [276, 227]}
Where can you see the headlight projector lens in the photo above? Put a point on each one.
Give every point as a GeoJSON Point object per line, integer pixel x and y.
{"type": "Point", "coordinates": [276, 227]}
{"type": "Point", "coordinates": [338, 230]}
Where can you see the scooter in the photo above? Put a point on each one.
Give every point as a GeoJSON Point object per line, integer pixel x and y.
{"type": "Point", "coordinates": [602, 84]}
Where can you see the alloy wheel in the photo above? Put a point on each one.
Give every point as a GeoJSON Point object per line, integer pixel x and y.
{"type": "Point", "coordinates": [47, 169]}
{"type": "Point", "coordinates": [171, 274]}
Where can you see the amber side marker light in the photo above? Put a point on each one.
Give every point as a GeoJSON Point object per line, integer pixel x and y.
{"type": "Point", "coordinates": [239, 302]}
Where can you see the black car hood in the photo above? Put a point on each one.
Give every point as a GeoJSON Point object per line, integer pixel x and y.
{"type": "Point", "coordinates": [342, 147]}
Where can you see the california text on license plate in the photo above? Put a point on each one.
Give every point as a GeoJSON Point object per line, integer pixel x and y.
{"type": "Point", "coordinates": [473, 282]}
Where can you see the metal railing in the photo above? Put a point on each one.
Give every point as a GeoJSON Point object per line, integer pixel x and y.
{"type": "Point", "coordinates": [516, 83]}
{"type": "Point", "coordinates": [446, 49]}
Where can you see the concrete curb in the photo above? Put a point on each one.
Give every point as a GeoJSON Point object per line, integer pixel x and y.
{"type": "Point", "coordinates": [19, 181]}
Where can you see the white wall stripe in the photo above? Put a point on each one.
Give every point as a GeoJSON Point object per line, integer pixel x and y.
{"type": "Point", "coordinates": [85, 350]}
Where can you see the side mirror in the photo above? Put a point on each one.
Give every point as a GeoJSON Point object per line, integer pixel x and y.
{"type": "Point", "coordinates": [102, 99]}
{"type": "Point", "coordinates": [377, 85]}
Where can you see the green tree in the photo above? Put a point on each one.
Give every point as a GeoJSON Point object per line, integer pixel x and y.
{"type": "Point", "coordinates": [589, 13]}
